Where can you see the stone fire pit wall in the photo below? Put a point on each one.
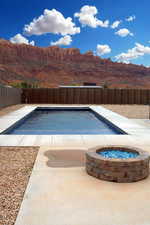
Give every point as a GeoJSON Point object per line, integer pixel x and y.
{"type": "Point", "coordinates": [118, 170]}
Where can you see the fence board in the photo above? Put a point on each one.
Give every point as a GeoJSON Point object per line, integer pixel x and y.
{"type": "Point", "coordinates": [82, 96]}
{"type": "Point", "coordinates": [77, 96]}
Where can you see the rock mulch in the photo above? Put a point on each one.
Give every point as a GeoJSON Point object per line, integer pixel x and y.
{"type": "Point", "coordinates": [130, 111]}
{"type": "Point", "coordinates": [16, 165]}
{"type": "Point", "coordinates": [9, 109]}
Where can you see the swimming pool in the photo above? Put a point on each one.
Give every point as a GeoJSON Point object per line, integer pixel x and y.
{"type": "Point", "coordinates": [45, 121]}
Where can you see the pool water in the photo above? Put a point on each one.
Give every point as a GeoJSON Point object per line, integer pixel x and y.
{"type": "Point", "coordinates": [56, 121]}
{"type": "Point", "coordinates": [118, 154]}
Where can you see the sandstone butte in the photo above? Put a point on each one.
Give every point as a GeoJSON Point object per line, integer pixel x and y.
{"type": "Point", "coordinates": [54, 66]}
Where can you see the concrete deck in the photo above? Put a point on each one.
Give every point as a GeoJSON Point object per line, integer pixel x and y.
{"type": "Point", "coordinates": [68, 196]}
{"type": "Point", "coordinates": [129, 126]}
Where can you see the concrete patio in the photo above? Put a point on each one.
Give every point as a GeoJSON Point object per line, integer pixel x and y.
{"type": "Point", "coordinates": [68, 196]}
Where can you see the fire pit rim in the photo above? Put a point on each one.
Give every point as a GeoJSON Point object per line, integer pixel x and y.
{"type": "Point", "coordinates": [93, 152]}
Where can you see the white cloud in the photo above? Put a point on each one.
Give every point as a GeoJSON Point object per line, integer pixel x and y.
{"type": "Point", "coordinates": [103, 49]}
{"type": "Point", "coordinates": [116, 24]}
{"type": "Point", "coordinates": [87, 17]}
{"type": "Point", "coordinates": [66, 40]}
{"type": "Point", "coordinates": [52, 21]}
{"type": "Point", "coordinates": [137, 51]}
{"type": "Point", "coordinates": [19, 39]}
{"type": "Point", "coordinates": [130, 18]}
{"type": "Point", "coordinates": [123, 32]}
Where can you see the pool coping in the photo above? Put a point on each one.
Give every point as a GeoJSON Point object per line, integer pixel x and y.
{"type": "Point", "coordinates": [132, 129]}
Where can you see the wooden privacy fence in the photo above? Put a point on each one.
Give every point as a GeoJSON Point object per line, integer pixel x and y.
{"type": "Point", "coordinates": [9, 96]}
{"type": "Point", "coordinates": [85, 96]}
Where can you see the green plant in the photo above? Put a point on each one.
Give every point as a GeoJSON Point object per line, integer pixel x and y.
{"type": "Point", "coordinates": [24, 85]}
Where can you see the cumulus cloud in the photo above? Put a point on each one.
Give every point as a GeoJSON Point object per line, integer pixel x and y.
{"type": "Point", "coordinates": [134, 53]}
{"type": "Point", "coordinates": [19, 39]}
{"type": "Point", "coordinates": [66, 40]}
{"type": "Point", "coordinates": [103, 49]}
{"type": "Point", "coordinates": [130, 18]}
{"type": "Point", "coordinates": [87, 17]}
{"type": "Point", "coordinates": [52, 21]}
{"type": "Point", "coordinates": [115, 24]}
{"type": "Point", "coordinates": [123, 32]}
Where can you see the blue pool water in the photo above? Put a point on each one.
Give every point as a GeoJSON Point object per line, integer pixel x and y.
{"type": "Point", "coordinates": [118, 154]}
{"type": "Point", "coordinates": [56, 121]}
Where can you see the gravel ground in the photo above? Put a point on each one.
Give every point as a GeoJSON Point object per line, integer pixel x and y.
{"type": "Point", "coordinates": [16, 164]}
{"type": "Point", "coordinates": [130, 111]}
{"type": "Point", "coordinates": [9, 109]}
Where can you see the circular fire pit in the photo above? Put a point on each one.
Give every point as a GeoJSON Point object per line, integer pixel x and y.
{"type": "Point", "coordinates": [118, 164]}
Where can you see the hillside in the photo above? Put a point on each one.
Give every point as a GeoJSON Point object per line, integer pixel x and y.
{"type": "Point", "coordinates": [53, 66]}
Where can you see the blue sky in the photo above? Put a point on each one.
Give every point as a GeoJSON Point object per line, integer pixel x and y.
{"type": "Point", "coordinates": [89, 29]}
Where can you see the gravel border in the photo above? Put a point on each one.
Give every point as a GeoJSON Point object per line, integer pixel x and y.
{"type": "Point", "coordinates": [8, 109]}
{"type": "Point", "coordinates": [16, 165]}
{"type": "Point", "coordinates": [130, 111]}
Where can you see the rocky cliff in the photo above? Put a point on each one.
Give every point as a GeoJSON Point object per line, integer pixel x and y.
{"type": "Point", "coordinates": [53, 66]}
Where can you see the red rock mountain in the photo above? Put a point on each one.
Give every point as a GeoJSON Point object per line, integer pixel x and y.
{"type": "Point", "coordinates": [54, 66]}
